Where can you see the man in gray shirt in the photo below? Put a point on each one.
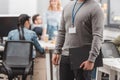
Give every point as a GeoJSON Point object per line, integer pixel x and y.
{"type": "Point", "coordinates": [82, 23]}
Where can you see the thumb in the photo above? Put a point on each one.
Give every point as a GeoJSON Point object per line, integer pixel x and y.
{"type": "Point", "coordinates": [82, 65]}
{"type": "Point", "coordinates": [57, 59]}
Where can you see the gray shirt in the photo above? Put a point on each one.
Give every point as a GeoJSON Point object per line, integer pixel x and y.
{"type": "Point", "coordinates": [89, 22]}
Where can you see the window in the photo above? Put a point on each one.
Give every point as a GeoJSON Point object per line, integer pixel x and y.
{"type": "Point", "coordinates": [115, 12]}
{"type": "Point", "coordinates": [112, 12]}
{"type": "Point", "coordinates": [104, 5]}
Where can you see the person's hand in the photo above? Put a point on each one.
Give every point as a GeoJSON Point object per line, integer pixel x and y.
{"type": "Point", "coordinates": [87, 65]}
{"type": "Point", "coordinates": [46, 49]}
{"type": "Point", "coordinates": [55, 59]}
{"type": "Point", "coordinates": [42, 38]}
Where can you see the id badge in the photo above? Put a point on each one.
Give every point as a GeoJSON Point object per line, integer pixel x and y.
{"type": "Point", "coordinates": [72, 30]}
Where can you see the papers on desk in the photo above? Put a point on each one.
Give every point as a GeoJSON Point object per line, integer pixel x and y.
{"type": "Point", "coordinates": [112, 62]}
{"type": "Point", "coordinates": [115, 61]}
{"type": "Point", "coordinates": [47, 44]}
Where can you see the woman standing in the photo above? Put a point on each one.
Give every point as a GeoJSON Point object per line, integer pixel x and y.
{"type": "Point", "coordinates": [53, 17]}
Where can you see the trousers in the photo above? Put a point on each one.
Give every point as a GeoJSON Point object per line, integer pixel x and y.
{"type": "Point", "coordinates": [66, 73]}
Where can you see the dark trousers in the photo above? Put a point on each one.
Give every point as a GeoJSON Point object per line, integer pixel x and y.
{"type": "Point", "coordinates": [66, 73]}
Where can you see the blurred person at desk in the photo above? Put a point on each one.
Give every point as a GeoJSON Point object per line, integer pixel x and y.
{"type": "Point", "coordinates": [38, 26]}
{"type": "Point", "coordinates": [116, 41]}
{"type": "Point", "coordinates": [52, 18]}
{"type": "Point", "coordinates": [23, 33]}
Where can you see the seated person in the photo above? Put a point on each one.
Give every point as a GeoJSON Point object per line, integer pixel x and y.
{"type": "Point", "coordinates": [23, 32]}
{"type": "Point", "coordinates": [37, 25]}
{"type": "Point", "coordinates": [116, 41]}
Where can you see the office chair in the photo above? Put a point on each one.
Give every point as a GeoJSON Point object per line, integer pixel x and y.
{"type": "Point", "coordinates": [17, 59]}
{"type": "Point", "coordinates": [109, 50]}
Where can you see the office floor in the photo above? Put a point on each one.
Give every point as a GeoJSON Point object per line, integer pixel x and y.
{"type": "Point", "coordinates": [39, 72]}
{"type": "Point", "coordinates": [39, 69]}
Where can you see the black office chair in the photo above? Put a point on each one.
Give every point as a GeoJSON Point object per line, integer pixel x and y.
{"type": "Point", "coordinates": [17, 59]}
{"type": "Point", "coordinates": [109, 50]}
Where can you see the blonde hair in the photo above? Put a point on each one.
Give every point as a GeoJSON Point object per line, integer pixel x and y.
{"type": "Point", "coordinates": [50, 7]}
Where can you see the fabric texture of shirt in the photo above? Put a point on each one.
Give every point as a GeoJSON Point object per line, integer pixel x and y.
{"type": "Point", "coordinates": [53, 18]}
{"type": "Point", "coordinates": [89, 23]}
{"type": "Point", "coordinates": [29, 35]}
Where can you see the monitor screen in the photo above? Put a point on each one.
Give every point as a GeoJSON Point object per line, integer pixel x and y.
{"type": "Point", "coordinates": [7, 23]}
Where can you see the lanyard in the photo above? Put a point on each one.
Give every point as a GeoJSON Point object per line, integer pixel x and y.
{"type": "Point", "coordinates": [74, 13]}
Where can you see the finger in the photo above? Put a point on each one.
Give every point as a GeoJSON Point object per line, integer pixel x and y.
{"type": "Point", "coordinates": [90, 68]}
{"type": "Point", "coordinates": [85, 67]}
{"type": "Point", "coordinates": [57, 60]}
{"type": "Point", "coordinates": [54, 60]}
{"type": "Point", "coordinates": [82, 65]}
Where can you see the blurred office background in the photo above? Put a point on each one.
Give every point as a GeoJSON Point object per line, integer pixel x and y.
{"type": "Point", "coordinates": [16, 7]}
{"type": "Point", "coordinates": [110, 7]}
{"type": "Point", "coordinates": [30, 7]}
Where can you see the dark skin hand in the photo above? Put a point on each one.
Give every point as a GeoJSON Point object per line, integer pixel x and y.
{"type": "Point", "coordinates": [87, 65]}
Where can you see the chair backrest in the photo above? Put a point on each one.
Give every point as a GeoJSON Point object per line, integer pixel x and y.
{"type": "Point", "coordinates": [109, 50]}
{"type": "Point", "coordinates": [18, 53]}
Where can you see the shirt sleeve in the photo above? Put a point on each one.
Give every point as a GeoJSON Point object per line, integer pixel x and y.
{"type": "Point", "coordinates": [9, 35]}
{"type": "Point", "coordinates": [60, 36]}
{"type": "Point", "coordinates": [36, 44]}
{"type": "Point", "coordinates": [97, 32]}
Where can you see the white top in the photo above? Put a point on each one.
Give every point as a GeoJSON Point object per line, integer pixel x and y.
{"type": "Point", "coordinates": [53, 18]}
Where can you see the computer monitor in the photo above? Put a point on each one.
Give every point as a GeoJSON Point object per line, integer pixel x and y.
{"type": "Point", "coordinates": [7, 23]}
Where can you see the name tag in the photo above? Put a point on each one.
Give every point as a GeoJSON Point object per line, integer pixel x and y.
{"type": "Point", "coordinates": [72, 30]}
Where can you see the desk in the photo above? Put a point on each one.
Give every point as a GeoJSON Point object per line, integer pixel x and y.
{"type": "Point", "coordinates": [49, 66]}
{"type": "Point", "coordinates": [48, 44]}
{"type": "Point", "coordinates": [111, 66]}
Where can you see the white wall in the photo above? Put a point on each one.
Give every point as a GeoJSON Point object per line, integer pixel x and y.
{"type": "Point", "coordinates": [16, 7]}
{"type": "Point", "coordinates": [4, 6]}
{"type": "Point", "coordinates": [64, 2]}
{"type": "Point", "coordinates": [22, 6]}
{"type": "Point", "coordinates": [42, 5]}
